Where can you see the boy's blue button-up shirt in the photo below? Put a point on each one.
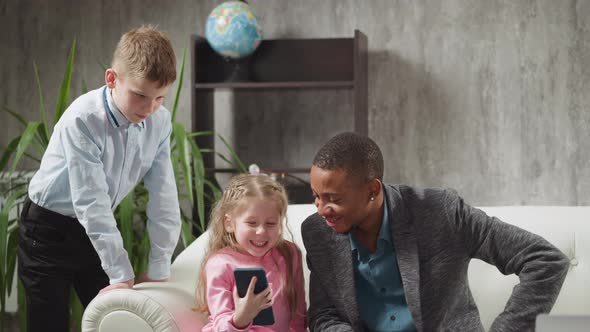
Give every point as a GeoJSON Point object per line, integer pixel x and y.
{"type": "Point", "coordinates": [379, 290]}
{"type": "Point", "coordinates": [95, 157]}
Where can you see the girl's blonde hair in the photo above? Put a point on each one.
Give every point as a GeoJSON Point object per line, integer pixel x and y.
{"type": "Point", "coordinates": [242, 187]}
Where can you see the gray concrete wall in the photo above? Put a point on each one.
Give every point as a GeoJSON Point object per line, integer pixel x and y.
{"type": "Point", "coordinates": [488, 97]}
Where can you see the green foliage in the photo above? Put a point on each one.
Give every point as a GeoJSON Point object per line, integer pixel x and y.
{"type": "Point", "coordinates": [34, 137]}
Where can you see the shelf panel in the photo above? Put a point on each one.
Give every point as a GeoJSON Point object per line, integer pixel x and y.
{"type": "Point", "coordinates": [278, 60]}
{"type": "Point", "coordinates": [293, 170]}
{"type": "Point", "coordinates": [278, 85]}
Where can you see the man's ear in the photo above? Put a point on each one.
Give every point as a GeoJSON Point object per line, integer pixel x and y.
{"type": "Point", "coordinates": [110, 76]}
{"type": "Point", "coordinates": [227, 224]}
{"type": "Point", "coordinates": [375, 186]}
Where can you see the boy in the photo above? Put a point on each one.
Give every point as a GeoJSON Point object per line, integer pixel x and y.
{"type": "Point", "coordinates": [106, 142]}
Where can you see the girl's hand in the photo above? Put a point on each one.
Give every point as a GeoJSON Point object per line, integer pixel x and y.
{"type": "Point", "coordinates": [250, 305]}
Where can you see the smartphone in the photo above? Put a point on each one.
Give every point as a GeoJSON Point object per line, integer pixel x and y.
{"type": "Point", "coordinates": [243, 277]}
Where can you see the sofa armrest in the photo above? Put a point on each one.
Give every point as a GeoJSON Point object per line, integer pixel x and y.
{"type": "Point", "coordinates": [149, 307]}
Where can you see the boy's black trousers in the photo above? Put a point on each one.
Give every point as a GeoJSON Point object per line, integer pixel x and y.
{"type": "Point", "coordinates": [54, 254]}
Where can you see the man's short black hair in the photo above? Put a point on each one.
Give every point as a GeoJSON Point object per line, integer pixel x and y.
{"type": "Point", "coordinates": [358, 155]}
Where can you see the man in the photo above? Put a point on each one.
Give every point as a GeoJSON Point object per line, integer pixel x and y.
{"type": "Point", "coordinates": [394, 258]}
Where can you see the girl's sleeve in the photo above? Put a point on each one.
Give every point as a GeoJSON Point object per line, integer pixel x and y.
{"type": "Point", "coordinates": [298, 321]}
{"type": "Point", "coordinates": [220, 285]}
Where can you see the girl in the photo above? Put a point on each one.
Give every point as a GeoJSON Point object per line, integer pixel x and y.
{"type": "Point", "coordinates": [246, 230]}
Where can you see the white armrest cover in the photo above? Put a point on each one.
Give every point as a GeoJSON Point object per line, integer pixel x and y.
{"type": "Point", "coordinates": [152, 306]}
{"type": "Point", "coordinates": [127, 310]}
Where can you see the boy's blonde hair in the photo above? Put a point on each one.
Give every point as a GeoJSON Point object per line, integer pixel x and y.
{"type": "Point", "coordinates": [145, 53]}
{"type": "Point", "coordinates": [240, 188]}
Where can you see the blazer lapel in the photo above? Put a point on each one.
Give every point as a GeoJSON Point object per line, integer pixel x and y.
{"type": "Point", "coordinates": [344, 277]}
{"type": "Point", "coordinates": [406, 248]}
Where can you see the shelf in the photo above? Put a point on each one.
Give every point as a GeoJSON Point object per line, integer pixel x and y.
{"type": "Point", "coordinates": [293, 170]}
{"type": "Point", "coordinates": [316, 63]}
{"type": "Point", "coordinates": [278, 85]}
{"type": "Point", "coordinates": [278, 60]}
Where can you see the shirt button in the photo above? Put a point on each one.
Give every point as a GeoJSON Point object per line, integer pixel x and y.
{"type": "Point", "coordinates": [392, 317]}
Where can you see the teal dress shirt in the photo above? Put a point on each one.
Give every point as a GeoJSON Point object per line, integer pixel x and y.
{"type": "Point", "coordinates": [379, 290]}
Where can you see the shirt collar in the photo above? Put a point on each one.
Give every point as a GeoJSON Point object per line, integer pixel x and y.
{"type": "Point", "coordinates": [384, 233]}
{"type": "Point", "coordinates": [116, 118]}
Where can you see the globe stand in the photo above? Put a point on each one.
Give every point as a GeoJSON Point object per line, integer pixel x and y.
{"type": "Point", "coordinates": [239, 70]}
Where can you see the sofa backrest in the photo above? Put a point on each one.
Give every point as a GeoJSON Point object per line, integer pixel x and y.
{"type": "Point", "coordinates": [568, 228]}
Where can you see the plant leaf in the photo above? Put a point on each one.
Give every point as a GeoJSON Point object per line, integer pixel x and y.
{"type": "Point", "coordinates": [183, 156]}
{"type": "Point", "coordinates": [10, 149]}
{"type": "Point", "coordinates": [237, 162]}
{"type": "Point", "coordinates": [45, 134]}
{"type": "Point", "coordinates": [126, 212]}
{"type": "Point", "coordinates": [179, 88]}
{"type": "Point", "coordinates": [64, 90]}
{"type": "Point", "coordinates": [4, 221]}
{"type": "Point", "coordinates": [201, 133]}
{"type": "Point", "coordinates": [24, 142]}
{"type": "Point", "coordinates": [11, 259]}
{"type": "Point", "coordinates": [186, 232]}
{"type": "Point", "coordinates": [199, 174]}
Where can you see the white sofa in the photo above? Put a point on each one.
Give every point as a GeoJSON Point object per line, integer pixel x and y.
{"type": "Point", "coordinates": [153, 306]}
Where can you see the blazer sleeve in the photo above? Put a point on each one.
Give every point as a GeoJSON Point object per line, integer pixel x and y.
{"type": "Point", "coordinates": [540, 266]}
{"type": "Point", "coordinates": [322, 314]}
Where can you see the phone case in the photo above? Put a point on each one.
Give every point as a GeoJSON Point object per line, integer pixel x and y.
{"type": "Point", "coordinates": [243, 277]}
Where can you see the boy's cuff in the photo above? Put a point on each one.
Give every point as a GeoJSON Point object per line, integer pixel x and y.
{"type": "Point", "coordinates": [158, 270]}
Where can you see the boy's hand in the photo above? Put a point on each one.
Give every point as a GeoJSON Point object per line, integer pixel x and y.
{"type": "Point", "coordinates": [250, 305]}
{"type": "Point", "coordinates": [142, 277]}
{"type": "Point", "coordinates": [121, 285]}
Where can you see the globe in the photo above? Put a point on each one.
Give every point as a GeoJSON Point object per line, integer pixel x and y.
{"type": "Point", "coordinates": [232, 30]}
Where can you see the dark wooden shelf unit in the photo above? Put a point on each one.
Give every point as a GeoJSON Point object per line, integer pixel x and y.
{"type": "Point", "coordinates": [280, 64]}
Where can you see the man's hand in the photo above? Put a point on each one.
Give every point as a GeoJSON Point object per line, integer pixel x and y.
{"type": "Point", "coordinates": [142, 277]}
{"type": "Point", "coordinates": [121, 285]}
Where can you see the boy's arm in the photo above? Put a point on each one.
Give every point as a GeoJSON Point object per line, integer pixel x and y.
{"type": "Point", "coordinates": [163, 211]}
{"type": "Point", "coordinates": [91, 201]}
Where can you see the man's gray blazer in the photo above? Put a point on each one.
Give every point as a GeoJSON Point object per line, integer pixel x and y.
{"type": "Point", "coordinates": [435, 235]}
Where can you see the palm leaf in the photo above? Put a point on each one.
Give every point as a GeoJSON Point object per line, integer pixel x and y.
{"type": "Point", "coordinates": [201, 133]}
{"type": "Point", "coordinates": [24, 142]}
{"type": "Point", "coordinates": [199, 173]}
{"type": "Point", "coordinates": [177, 97]}
{"type": "Point", "coordinates": [186, 232]}
{"type": "Point", "coordinates": [143, 251]}
{"type": "Point", "coordinates": [64, 90]}
{"type": "Point", "coordinates": [237, 162]}
{"type": "Point", "coordinates": [183, 156]}
{"type": "Point", "coordinates": [4, 221]}
{"type": "Point", "coordinates": [18, 117]}
{"type": "Point", "coordinates": [10, 149]}
{"type": "Point", "coordinates": [11, 258]}
{"type": "Point", "coordinates": [45, 132]}
{"type": "Point", "coordinates": [126, 212]}
{"type": "Point", "coordinates": [76, 311]}
{"type": "Point", "coordinates": [214, 189]}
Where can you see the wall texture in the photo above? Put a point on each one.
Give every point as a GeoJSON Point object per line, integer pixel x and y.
{"type": "Point", "coordinates": [489, 97]}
